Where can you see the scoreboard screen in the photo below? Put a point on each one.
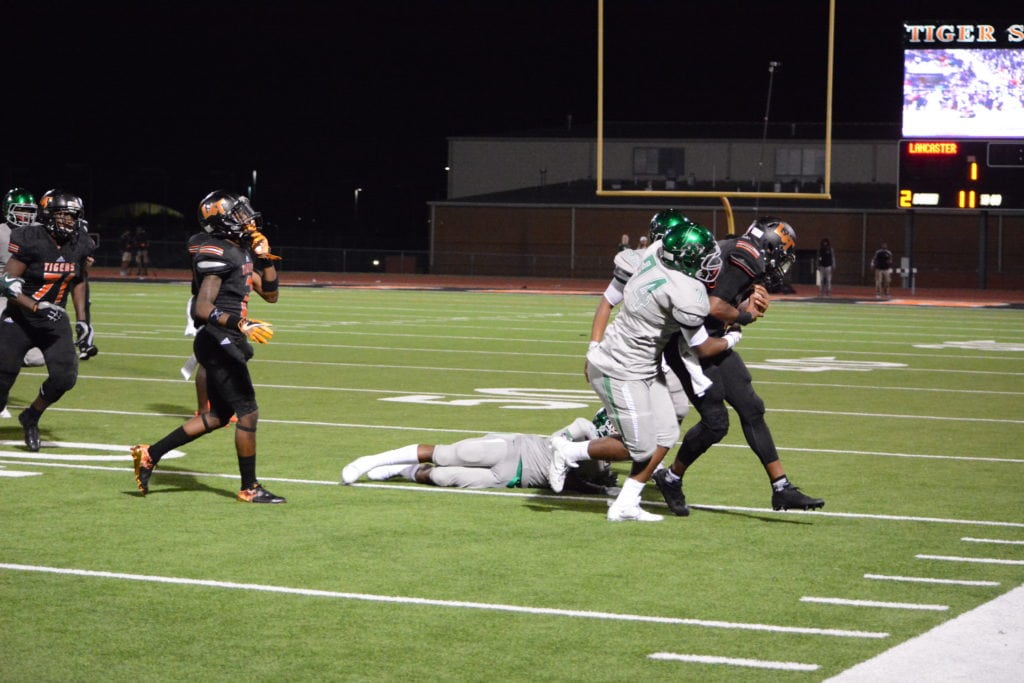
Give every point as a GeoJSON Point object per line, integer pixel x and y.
{"type": "Point", "coordinates": [961, 174]}
{"type": "Point", "coordinates": [963, 117]}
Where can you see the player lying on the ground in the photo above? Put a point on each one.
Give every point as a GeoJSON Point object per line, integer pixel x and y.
{"type": "Point", "coordinates": [491, 461]}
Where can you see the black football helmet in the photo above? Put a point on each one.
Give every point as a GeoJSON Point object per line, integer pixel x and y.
{"type": "Point", "coordinates": [224, 214]}
{"type": "Point", "coordinates": [777, 241]}
{"type": "Point", "coordinates": [62, 214]}
{"type": "Point", "coordinates": [19, 207]}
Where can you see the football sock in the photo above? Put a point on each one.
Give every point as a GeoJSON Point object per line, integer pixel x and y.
{"type": "Point", "coordinates": [406, 455]}
{"type": "Point", "coordinates": [630, 494]}
{"type": "Point", "coordinates": [410, 472]}
{"type": "Point", "coordinates": [247, 468]}
{"type": "Point", "coordinates": [780, 483]}
{"type": "Point", "coordinates": [670, 476]}
{"type": "Point", "coordinates": [576, 451]}
{"type": "Point", "coordinates": [176, 438]}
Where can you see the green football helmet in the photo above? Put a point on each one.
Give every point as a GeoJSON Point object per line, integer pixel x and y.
{"type": "Point", "coordinates": [691, 249]}
{"type": "Point", "coordinates": [662, 221]}
{"type": "Point", "coordinates": [19, 207]}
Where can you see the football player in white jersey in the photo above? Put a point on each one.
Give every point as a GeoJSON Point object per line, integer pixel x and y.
{"type": "Point", "coordinates": [666, 294]}
{"type": "Point", "coordinates": [498, 460]}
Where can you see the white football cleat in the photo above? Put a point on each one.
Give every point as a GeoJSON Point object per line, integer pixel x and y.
{"type": "Point", "coordinates": [559, 466]}
{"type": "Point", "coordinates": [631, 514]}
{"type": "Point", "coordinates": [357, 468]}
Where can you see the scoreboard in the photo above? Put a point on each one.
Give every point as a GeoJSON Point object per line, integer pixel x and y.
{"type": "Point", "coordinates": [961, 174]}
{"type": "Point", "coordinates": [963, 116]}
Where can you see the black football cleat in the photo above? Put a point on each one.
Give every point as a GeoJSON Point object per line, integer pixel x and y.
{"type": "Point", "coordinates": [258, 494]}
{"type": "Point", "coordinates": [792, 498]}
{"type": "Point", "coordinates": [31, 428]}
{"type": "Point", "coordinates": [672, 492]}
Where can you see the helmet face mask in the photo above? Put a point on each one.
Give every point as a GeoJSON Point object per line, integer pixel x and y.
{"type": "Point", "coordinates": [19, 207]}
{"type": "Point", "coordinates": [223, 214]}
{"type": "Point", "coordinates": [61, 213]}
{"type": "Point", "coordinates": [777, 241]}
{"type": "Point", "coordinates": [692, 249]}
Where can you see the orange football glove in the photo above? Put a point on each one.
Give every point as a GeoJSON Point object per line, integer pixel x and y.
{"type": "Point", "coordinates": [260, 246]}
{"type": "Point", "coordinates": [256, 330]}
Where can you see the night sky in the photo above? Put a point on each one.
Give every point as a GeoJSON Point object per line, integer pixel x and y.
{"type": "Point", "coordinates": [154, 101]}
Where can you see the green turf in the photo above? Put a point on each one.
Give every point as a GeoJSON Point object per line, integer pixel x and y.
{"type": "Point", "coordinates": [914, 449]}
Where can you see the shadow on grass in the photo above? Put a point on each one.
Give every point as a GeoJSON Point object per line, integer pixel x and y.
{"type": "Point", "coordinates": [173, 481]}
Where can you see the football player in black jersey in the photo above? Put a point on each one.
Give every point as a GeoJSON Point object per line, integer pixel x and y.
{"type": "Point", "coordinates": [230, 259]}
{"type": "Point", "coordinates": [49, 261]}
{"type": "Point", "coordinates": [755, 262]}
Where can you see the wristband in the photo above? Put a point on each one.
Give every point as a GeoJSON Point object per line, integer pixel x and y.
{"type": "Point", "coordinates": [593, 345]}
{"type": "Point", "coordinates": [263, 263]}
{"type": "Point", "coordinates": [270, 286]}
{"type": "Point", "coordinates": [745, 318]}
{"type": "Point", "coordinates": [731, 339]}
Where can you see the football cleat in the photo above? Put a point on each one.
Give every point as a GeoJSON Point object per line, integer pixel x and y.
{"type": "Point", "coordinates": [792, 498]}
{"type": "Point", "coordinates": [258, 494]}
{"type": "Point", "coordinates": [143, 465]}
{"type": "Point", "coordinates": [31, 428]}
{"type": "Point", "coordinates": [351, 472]}
{"type": "Point", "coordinates": [5, 414]}
{"type": "Point", "coordinates": [631, 514]}
{"type": "Point", "coordinates": [559, 466]}
{"type": "Point", "coordinates": [673, 493]}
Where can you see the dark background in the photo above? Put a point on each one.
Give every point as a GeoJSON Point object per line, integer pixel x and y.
{"type": "Point", "coordinates": [162, 102]}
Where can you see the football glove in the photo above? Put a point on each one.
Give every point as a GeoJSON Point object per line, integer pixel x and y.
{"type": "Point", "coordinates": [53, 312]}
{"type": "Point", "coordinates": [260, 246]}
{"type": "Point", "coordinates": [256, 330]}
{"type": "Point", "coordinates": [10, 286]}
{"type": "Point", "coordinates": [84, 335]}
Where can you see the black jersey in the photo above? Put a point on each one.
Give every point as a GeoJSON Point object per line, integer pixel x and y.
{"type": "Point", "coordinates": [233, 265]}
{"type": "Point", "coordinates": [742, 266]}
{"type": "Point", "coordinates": [51, 270]}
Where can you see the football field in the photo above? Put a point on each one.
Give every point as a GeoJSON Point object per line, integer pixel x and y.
{"type": "Point", "coordinates": [906, 419]}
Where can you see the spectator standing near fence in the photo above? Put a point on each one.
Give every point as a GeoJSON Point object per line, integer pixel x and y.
{"type": "Point", "coordinates": [882, 263]}
{"type": "Point", "coordinates": [826, 266]}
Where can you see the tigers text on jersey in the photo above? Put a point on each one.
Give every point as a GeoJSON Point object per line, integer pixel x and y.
{"type": "Point", "coordinates": [658, 302]}
{"type": "Point", "coordinates": [50, 270]}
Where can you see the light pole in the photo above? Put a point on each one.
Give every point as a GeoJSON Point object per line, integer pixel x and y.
{"type": "Point", "coordinates": [355, 205]}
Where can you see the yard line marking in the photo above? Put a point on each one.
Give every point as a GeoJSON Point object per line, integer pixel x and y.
{"type": "Point", "coordinates": [875, 603]}
{"type": "Point", "coordinates": [441, 490]}
{"type": "Point", "coordinates": [977, 560]}
{"type": "Point", "coordinates": [348, 425]}
{"type": "Point", "coordinates": [991, 540]}
{"type": "Point", "coordinates": [496, 607]}
{"type": "Point", "coordinates": [922, 579]}
{"type": "Point", "coordinates": [733, 661]}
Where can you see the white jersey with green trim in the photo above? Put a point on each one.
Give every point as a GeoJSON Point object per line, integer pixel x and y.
{"type": "Point", "coordinates": [658, 302]}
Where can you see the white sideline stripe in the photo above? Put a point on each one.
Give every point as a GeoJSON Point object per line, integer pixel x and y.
{"type": "Point", "coordinates": [923, 579]}
{"type": "Point", "coordinates": [978, 560]}
{"type": "Point", "coordinates": [733, 661]}
{"type": "Point", "coordinates": [349, 425]}
{"type": "Point", "coordinates": [983, 644]}
{"type": "Point", "coordinates": [968, 539]}
{"type": "Point", "coordinates": [441, 490]}
{"type": "Point", "coordinates": [875, 603]}
{"type": "Point", "coordinates": [497, 607]}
